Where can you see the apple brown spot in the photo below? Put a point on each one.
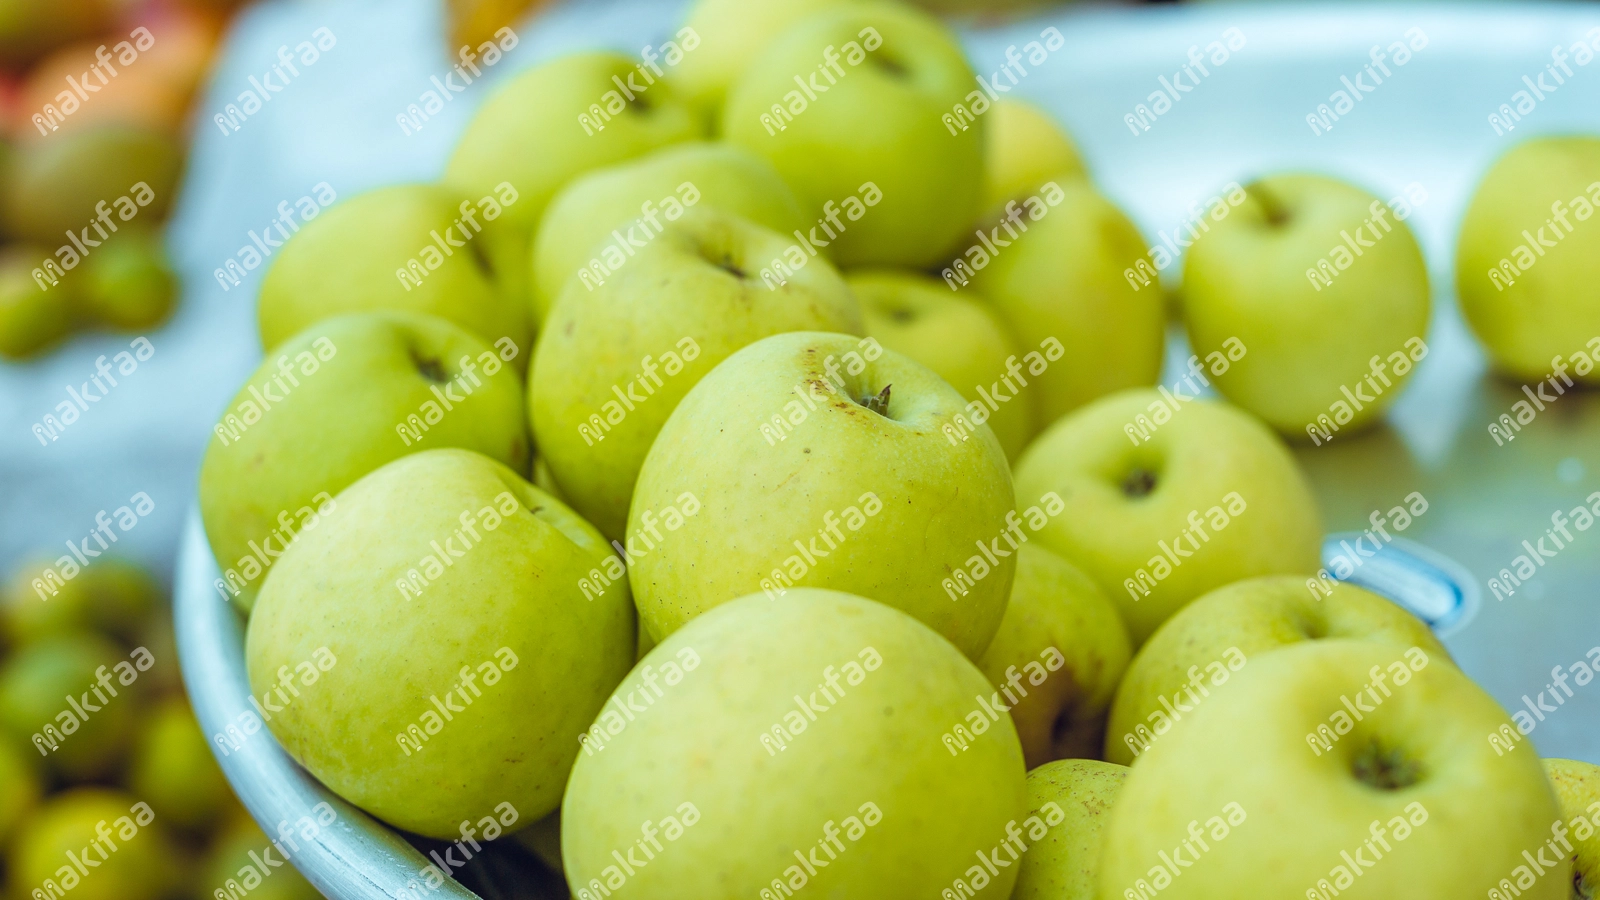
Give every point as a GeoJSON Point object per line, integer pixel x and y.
{"type": "Point", "coordinates": [1139, 483]}
{"type": "Point", "coordinates": [1385, 768]}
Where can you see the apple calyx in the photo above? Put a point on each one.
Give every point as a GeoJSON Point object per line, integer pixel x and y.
{"type": "Point", "coordinates": [431, 369]}
{"type": "Point", "coordinates": [1139, 483]}
{"type": "Point", "coordinates": [1385, 768]}
{"type": "Point", "coordinates": [878, 403]}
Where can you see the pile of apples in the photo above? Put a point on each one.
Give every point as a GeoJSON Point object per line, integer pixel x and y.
{"type": "Point", "coordinates": [653, 475]}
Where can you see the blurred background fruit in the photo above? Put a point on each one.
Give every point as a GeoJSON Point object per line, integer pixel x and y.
{"type": "Point", "coordinates": [138, 863]}
{"type": "Point", "coordinates": [30, 319]}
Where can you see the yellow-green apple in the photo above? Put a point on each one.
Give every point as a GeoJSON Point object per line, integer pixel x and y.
{"type": "Point", "coordinates": [128, 283]}
{"type": "Point", "coordinates": [378, 251]}
{"type": "Point", "coordinates": [1063, 643]}
{"type": "Point", "coordinates": [1407, 800]}
{"type": "Point", "coordinates": [551, 124]}
{"type": "Point", "coordinates": [823, 460]}
{"type": "Point", "coordinates": [330, 405]}
{"type": "Point", "coordinates": [615, 360]}
{"type": "Point", "coordinates": [1526, 259]}
{"type": "Point", "coordinates": [445, 590]}
{"type": "Point", "coordinates": [138, 861]}
{"type": "Point", "coordinates": [806, 733]}
{"type": "Point", "coordinates": [1328, 331]}
{"type": "Point", "coordinates": [1209, 497]}
{"type": "Point", "coordinates": [854, 96]}
{"type": "Point", "coordinates": [959, 338]}
{"type": "Point", "coordinates": [1061, 279]}
{"type": "Point", "coordinates": [629, 204]}
{"type": "Point", "coordinates": [1065, 865]}
{"type": "Point", "coordinates": [1194, 653]}
{"type": "Point", "coordinates": [34, 314]}
{"type": "Point", "coordinates": [1577, 787]}
{"type": "Point", "coordinates": [1025, 149]}
{"type": "Point", "coordinates": [40, 706]}
{"type": "Point", "coordinates": [173, 770]}
{"type": "Point", "coordinates": [20, 788]}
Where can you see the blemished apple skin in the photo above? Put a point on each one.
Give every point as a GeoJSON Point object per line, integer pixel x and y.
{"type": "Point", "coordinates": [1550, 308]}
{"type": "Point", "coordinates": [1424, 744]}
{"type": "Point", "coordinates": [1577, 786]}
{"type": "Point", "coordinates": [345, 261]}
{"type": "Point", "coordinates": [340, 423]}
{"type": "Point", "coordinates": [1247, 279]}
{"type": "Point", "coordinates": [1062, 279]}
{"type": "Point", "coordinates": [700, 742]}
{"type": "Point", "coordinates": [1123, 499]}
{"type": "Point", "coordinates": [1055, 605]}
{"type": "Point", "coordinates": [586, 211]}
{"type": "Point", "coordinates": [762, 496]}
{"type": "Point", "coordinates": [1064, 865]}
{"type": "Point", "coordinates": [1026, 148]}
{"type": "Point", "coordinates": [1254, 616]}
{"type": "Point", "coordinates": [879, 122]}
{"type": "Point", "coordinates": [696, 280]}
{"type": "Point", "coordinates": [515, 586]}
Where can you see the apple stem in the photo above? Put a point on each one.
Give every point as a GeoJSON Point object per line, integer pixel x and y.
{"type": "Point", "coordinates": [1277, 213]}
{"type": "Point", "coordinates": [880, 403]}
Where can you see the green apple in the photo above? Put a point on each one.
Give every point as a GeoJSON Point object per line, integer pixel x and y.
{"type": "Point", "coordinates": [442, 574]}
{"type": "Point", "coordinates": [1195, 652]}
{"type": "Point", "coordinates": [63, 182]}
{"type": "Point", "coordinates": [91, 736]}
{"type": "Point", "coordinates": [959, 338]}
{"type": "Point", "coordinates": [1057, 618]}
{"type": "Point", "coordinates": [633, 199]}
{"type": "Point", "coordinates": [1526, 258]}
{"type": "Point", "coordinates": [1061, 281]}
{"type": "Point", "coordinates": [20, 788]}
{"type": "Point", "coordinates": [732, 35]}
{"type": "Point", "coordinates": [805, 735]}
{"type": "Point", "coordinates": [1025, 148]}
{"type": "Point", "coordinates": [549, 125]}
{"type": "Point", "coordinates": [128, 283]}
{"type": "Point", "coordinates": [889, 72]}
{"type": "Point", "coordinates": [334, 403]}
{"type": "Point", "coordinates": [114, 832]}
{"type": "Point", "coordinates": [114, 595]}
{"type": "Point", "coordinates": [377, 251]}
{"type": "Point", "coordinates": [1279, 276]}
{"type": "Point", "coordinates": [1066, 864]}
{"type": "Point", "coordinates": [31, 319]}
{"type": "Point", "coordinates": [1410, 802]}
{"type": "Point", "coordinates": [230, 855]}
{"type": "Point", "coordinates": [173, 770]}
{"type": "Point", "coordinates": [822, 460]}
{"type": "Point", "coordinates": [614, 361]}
{"type": "Point", "coordinates": [1210, 497]}
{"type": "Point", "coordinates": [1577, 787]}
